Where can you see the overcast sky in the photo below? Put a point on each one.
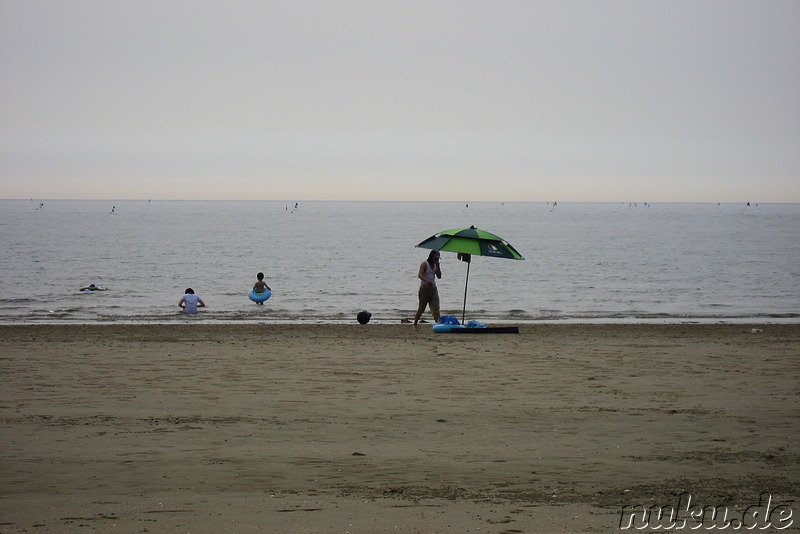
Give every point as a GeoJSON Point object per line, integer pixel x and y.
{"type": "Point", "coordinates": [401, 100]}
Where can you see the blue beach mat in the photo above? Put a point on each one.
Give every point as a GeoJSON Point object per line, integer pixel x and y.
{"type": "Point", "coordinates": [449, 324]}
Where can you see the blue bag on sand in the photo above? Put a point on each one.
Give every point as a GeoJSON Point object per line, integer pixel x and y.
{"type": "Point", "coordinates": [475, 324]}
{"type": "Point", "coordinates": [448, 319]}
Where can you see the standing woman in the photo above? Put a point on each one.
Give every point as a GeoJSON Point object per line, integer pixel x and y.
{"type": "Point", "coordinates": [429, 271]}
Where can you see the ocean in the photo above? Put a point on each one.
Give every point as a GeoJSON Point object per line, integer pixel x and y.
{"type": "Point", "coordinates": [326, 261]}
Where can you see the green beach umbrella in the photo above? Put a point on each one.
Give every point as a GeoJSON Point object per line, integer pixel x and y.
{"type": "Point", "coordinates": [468, 242]}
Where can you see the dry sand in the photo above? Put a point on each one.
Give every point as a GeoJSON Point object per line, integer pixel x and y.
{"type": "Point", "coordinates": [377, 428]}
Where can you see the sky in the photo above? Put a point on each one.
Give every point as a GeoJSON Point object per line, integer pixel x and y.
{"type": "Point", "coordinates": [507, 100]}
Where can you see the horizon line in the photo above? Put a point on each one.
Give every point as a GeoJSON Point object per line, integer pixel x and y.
{"type": "Point", "coordinates": [647, 202]}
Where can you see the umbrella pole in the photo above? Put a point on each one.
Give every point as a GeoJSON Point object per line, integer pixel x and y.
{"type": "Point", "coordinates": [466, 284]}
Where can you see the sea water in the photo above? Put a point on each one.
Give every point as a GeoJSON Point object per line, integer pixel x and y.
{"type": "Point", "coordinates": [326, 261]}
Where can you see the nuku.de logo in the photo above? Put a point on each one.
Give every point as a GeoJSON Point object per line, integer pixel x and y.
{"type": "Point", "coordinates": [686, 515]}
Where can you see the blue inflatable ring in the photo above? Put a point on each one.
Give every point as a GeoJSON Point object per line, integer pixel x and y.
{"type": "Point", "coordinates": [442, 328]}
{"type": "Point", "coordinates": [259, 297]}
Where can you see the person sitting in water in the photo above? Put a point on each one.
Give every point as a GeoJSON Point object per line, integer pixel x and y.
{"type": "Point", "coordinates": [190, 302]}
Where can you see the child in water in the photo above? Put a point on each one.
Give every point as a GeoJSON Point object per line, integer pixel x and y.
{"type": "Point", "coordinates": [260, 286]}
{"type": "Point", "coordinates": [190, 302]}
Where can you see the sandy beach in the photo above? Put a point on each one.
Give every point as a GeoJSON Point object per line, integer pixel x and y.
{"type": "Point", "coordinates": [377, 428]}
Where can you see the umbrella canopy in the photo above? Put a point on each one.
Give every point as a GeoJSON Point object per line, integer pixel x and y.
{"type": "Point", "coordinates": [473, 241]}
{"type": "Point", "coordinates": [467, 242]}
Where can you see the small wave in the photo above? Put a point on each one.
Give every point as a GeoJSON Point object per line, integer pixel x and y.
{"type": "Point", "coordinates": [15, 302]}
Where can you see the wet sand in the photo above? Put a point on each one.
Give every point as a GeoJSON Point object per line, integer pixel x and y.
{"type": "Point", "coordinates": [377, 428]}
